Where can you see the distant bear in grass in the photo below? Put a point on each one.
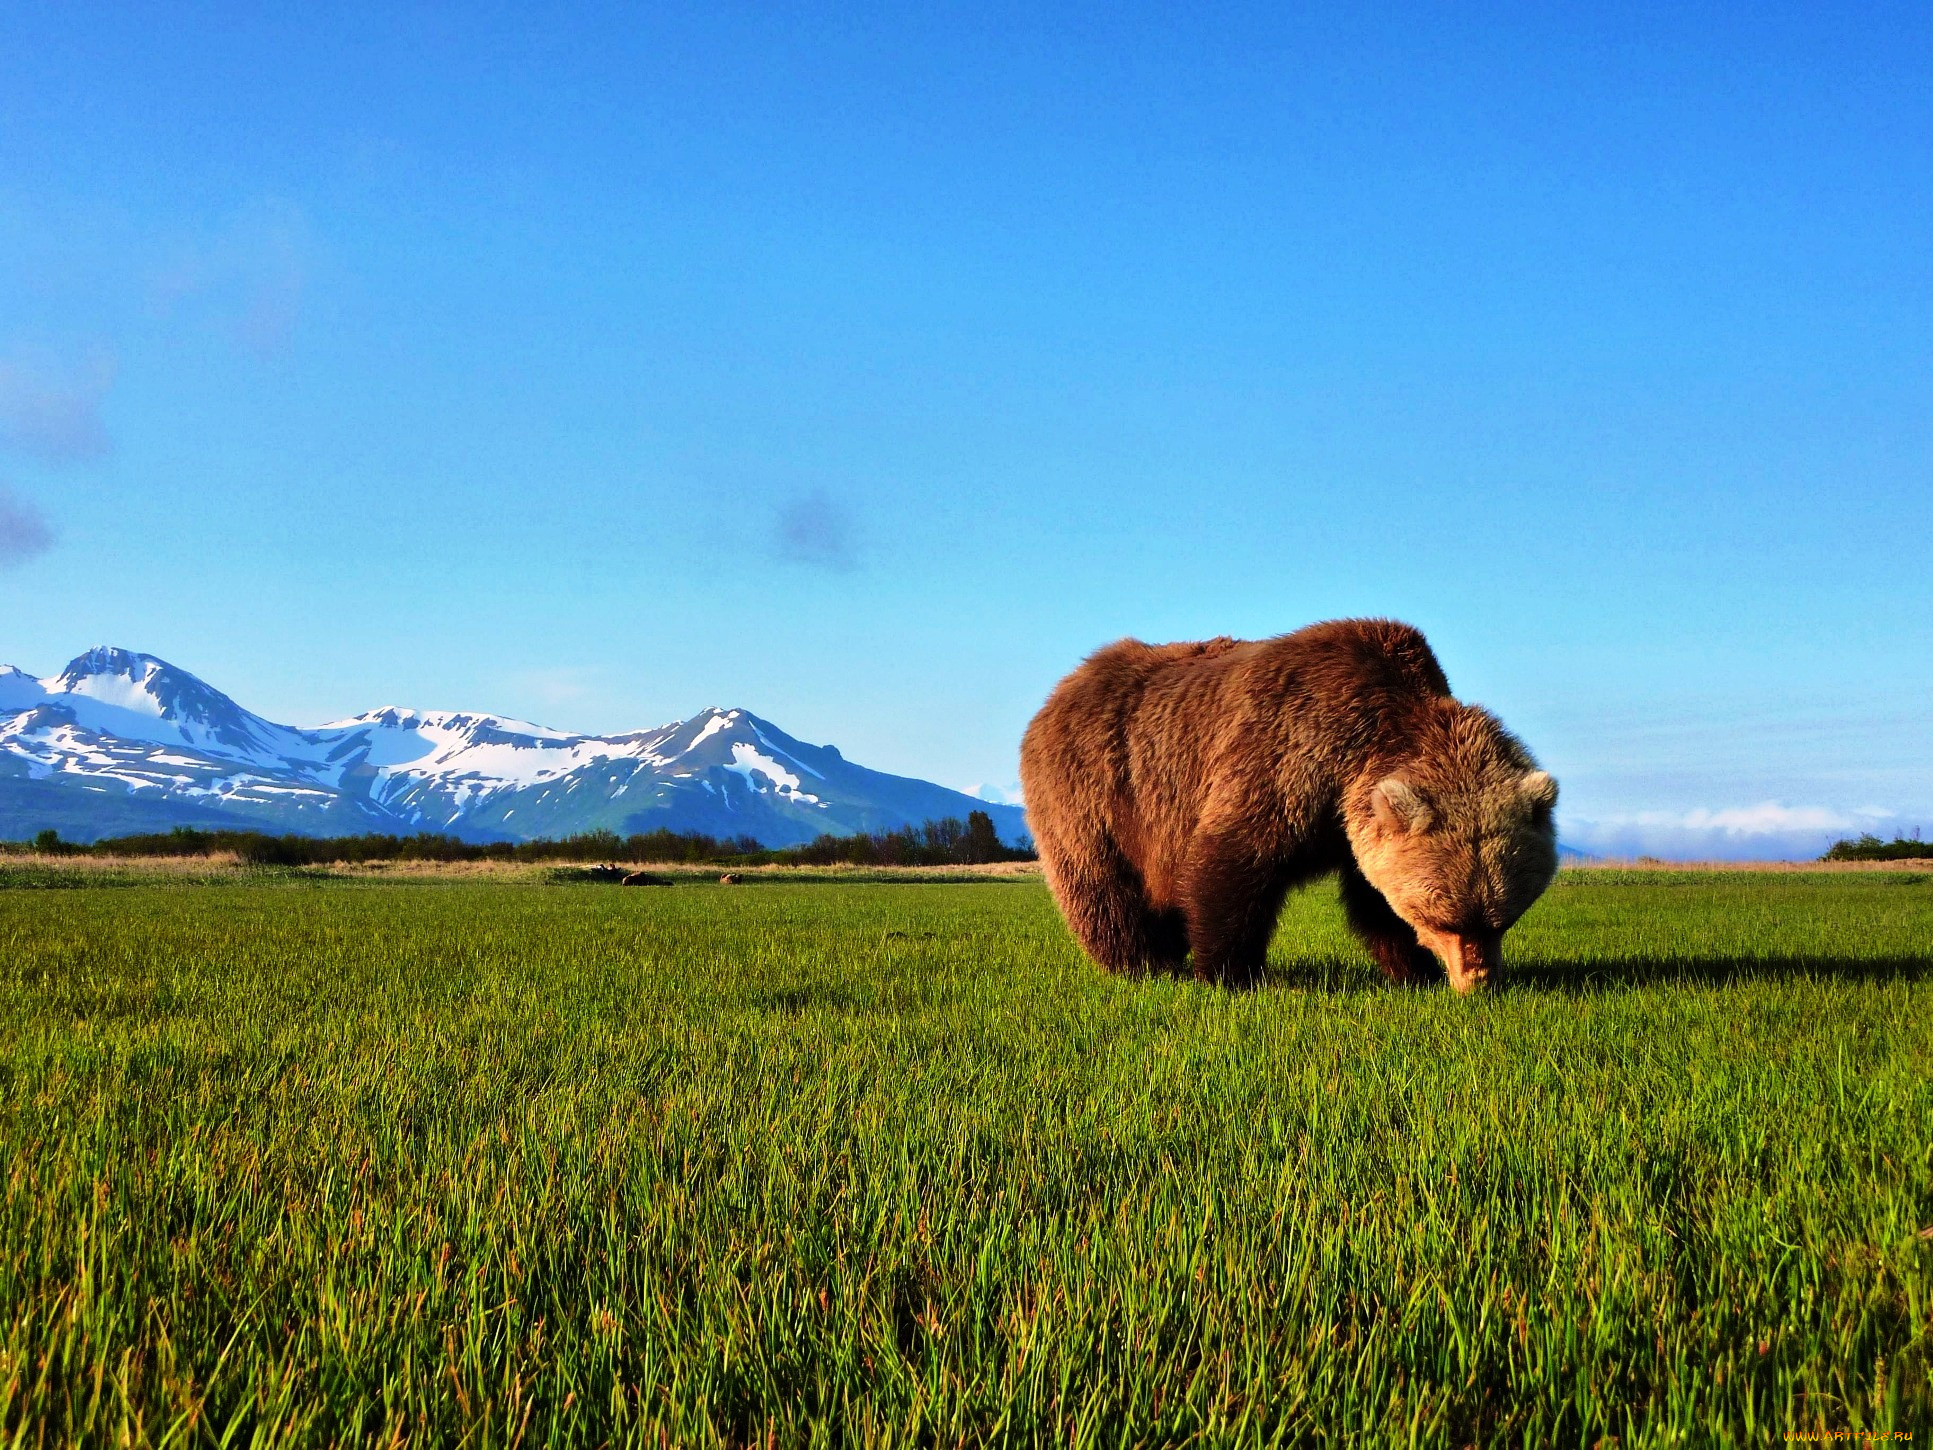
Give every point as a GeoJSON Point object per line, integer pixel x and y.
{"type": "Point", "coordinates": [1177, 792]}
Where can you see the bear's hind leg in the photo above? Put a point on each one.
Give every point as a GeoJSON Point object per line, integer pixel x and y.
{"type": "Point", "coordinates": [1390, 940]}
{"type": "Point", "coordinates": [1106, 907]}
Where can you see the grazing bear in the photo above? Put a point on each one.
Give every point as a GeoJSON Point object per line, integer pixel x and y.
{"type": "Point", "coordinates": [1177, 792]}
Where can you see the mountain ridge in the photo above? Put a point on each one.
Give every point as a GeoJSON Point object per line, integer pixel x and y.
{"type": "Point", "coordinates": [126, 738]}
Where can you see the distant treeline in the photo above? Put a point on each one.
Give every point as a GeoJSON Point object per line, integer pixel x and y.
{"type": "Point", "coordinates": [949, 842]}
{"type": "Point", "coordinates": [1870, 848]}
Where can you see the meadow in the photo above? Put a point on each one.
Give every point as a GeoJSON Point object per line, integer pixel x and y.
{"type": "Point", "coordinates": [294, 1158]}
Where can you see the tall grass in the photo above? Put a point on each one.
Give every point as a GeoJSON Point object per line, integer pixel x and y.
{"type": "Point", "coordinates": [505, 1164]}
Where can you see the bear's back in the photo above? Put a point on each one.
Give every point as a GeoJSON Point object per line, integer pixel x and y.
{"type": "Point", "coordinates": [1187, 699]}
{"type": "Point", "coordinates": [1141, 733]}
{"type": "Point", "coordinates": [1089, 710]}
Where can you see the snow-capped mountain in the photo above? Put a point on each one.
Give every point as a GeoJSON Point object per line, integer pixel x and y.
{"type": "Point", "coordinates": [121, 742]}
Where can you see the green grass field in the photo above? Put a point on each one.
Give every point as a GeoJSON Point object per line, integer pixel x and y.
{"type": "Point", "coordinates": [324, 1162]}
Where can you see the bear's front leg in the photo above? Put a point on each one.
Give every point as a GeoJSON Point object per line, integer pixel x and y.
{"type": "Point", "coordinates": [1390, 940]}
{"type": "Point", "coordinates": [1230, 897]}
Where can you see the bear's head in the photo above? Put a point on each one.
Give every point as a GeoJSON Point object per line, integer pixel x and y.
{"type": "Point", "coordinates": [1457, 836]}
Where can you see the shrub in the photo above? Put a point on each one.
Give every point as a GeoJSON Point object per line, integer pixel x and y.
{"type": "Point", "coordinates": [1869, 847]}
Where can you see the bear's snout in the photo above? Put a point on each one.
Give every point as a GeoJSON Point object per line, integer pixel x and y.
{"type": "Point", "coordinates": [1470, 961]}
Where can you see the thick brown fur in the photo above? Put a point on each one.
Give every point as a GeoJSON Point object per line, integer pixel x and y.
{"type": "Point", "coordinates": [1178, 792]}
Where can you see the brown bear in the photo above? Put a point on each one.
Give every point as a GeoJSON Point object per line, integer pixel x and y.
{"type": "Point", "coordinates": [1177, 792]}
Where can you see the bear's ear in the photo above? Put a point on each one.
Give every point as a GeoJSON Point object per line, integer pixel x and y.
{"type": "Point", "coordinates": [1398, 807]}
{"type": "Point", "coordinates": [1539, 790]}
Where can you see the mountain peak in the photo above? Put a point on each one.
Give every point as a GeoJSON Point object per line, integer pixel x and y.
{"type": "Point", "coordinates": [130, 686]}
{"type": "Point", "coordinates": [139, 682]}
{"type": "Point", "coordinates": [19, 690]}
{"type": "Point", "coordinates": [145, 683]}
{"type": "Point", "coordinates": [107, 659]}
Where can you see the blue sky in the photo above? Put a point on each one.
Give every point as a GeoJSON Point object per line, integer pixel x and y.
{"type": "Point", "coordinates": [867, 367]}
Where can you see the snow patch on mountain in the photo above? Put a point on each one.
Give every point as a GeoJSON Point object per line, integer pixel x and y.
{"type": "Point", "coordinates": [712, 727]}
{"type": "Point", "coordinates": [748, 761]}
{"type": "Point", "coordinates": [777, 750]}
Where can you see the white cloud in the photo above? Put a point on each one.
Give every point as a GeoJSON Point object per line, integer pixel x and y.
{"type": "Point", "coordinates": [1769, 830]}
{"type": "Point", "coordinates": [1765, 818]}
{"type": "Point", "coordinates": [999, 795]}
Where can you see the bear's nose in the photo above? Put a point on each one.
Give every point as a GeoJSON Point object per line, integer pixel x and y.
{"type": "Point", "coordinates": [1470, 960]}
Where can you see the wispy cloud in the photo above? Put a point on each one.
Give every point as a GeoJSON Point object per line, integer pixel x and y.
{"type": "Point", "coordinates": [53, 413]}
{"type": "Point", "coordinates": [1769, 830]}
{"type": "Point", "coordinates": [560, 688]}
{"type": "Point", "coordinates": [248, 276]}
{"type": "Point", "coordinates": [24, 531]}
{"type": "Point", "coordinates": [815, 529]}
